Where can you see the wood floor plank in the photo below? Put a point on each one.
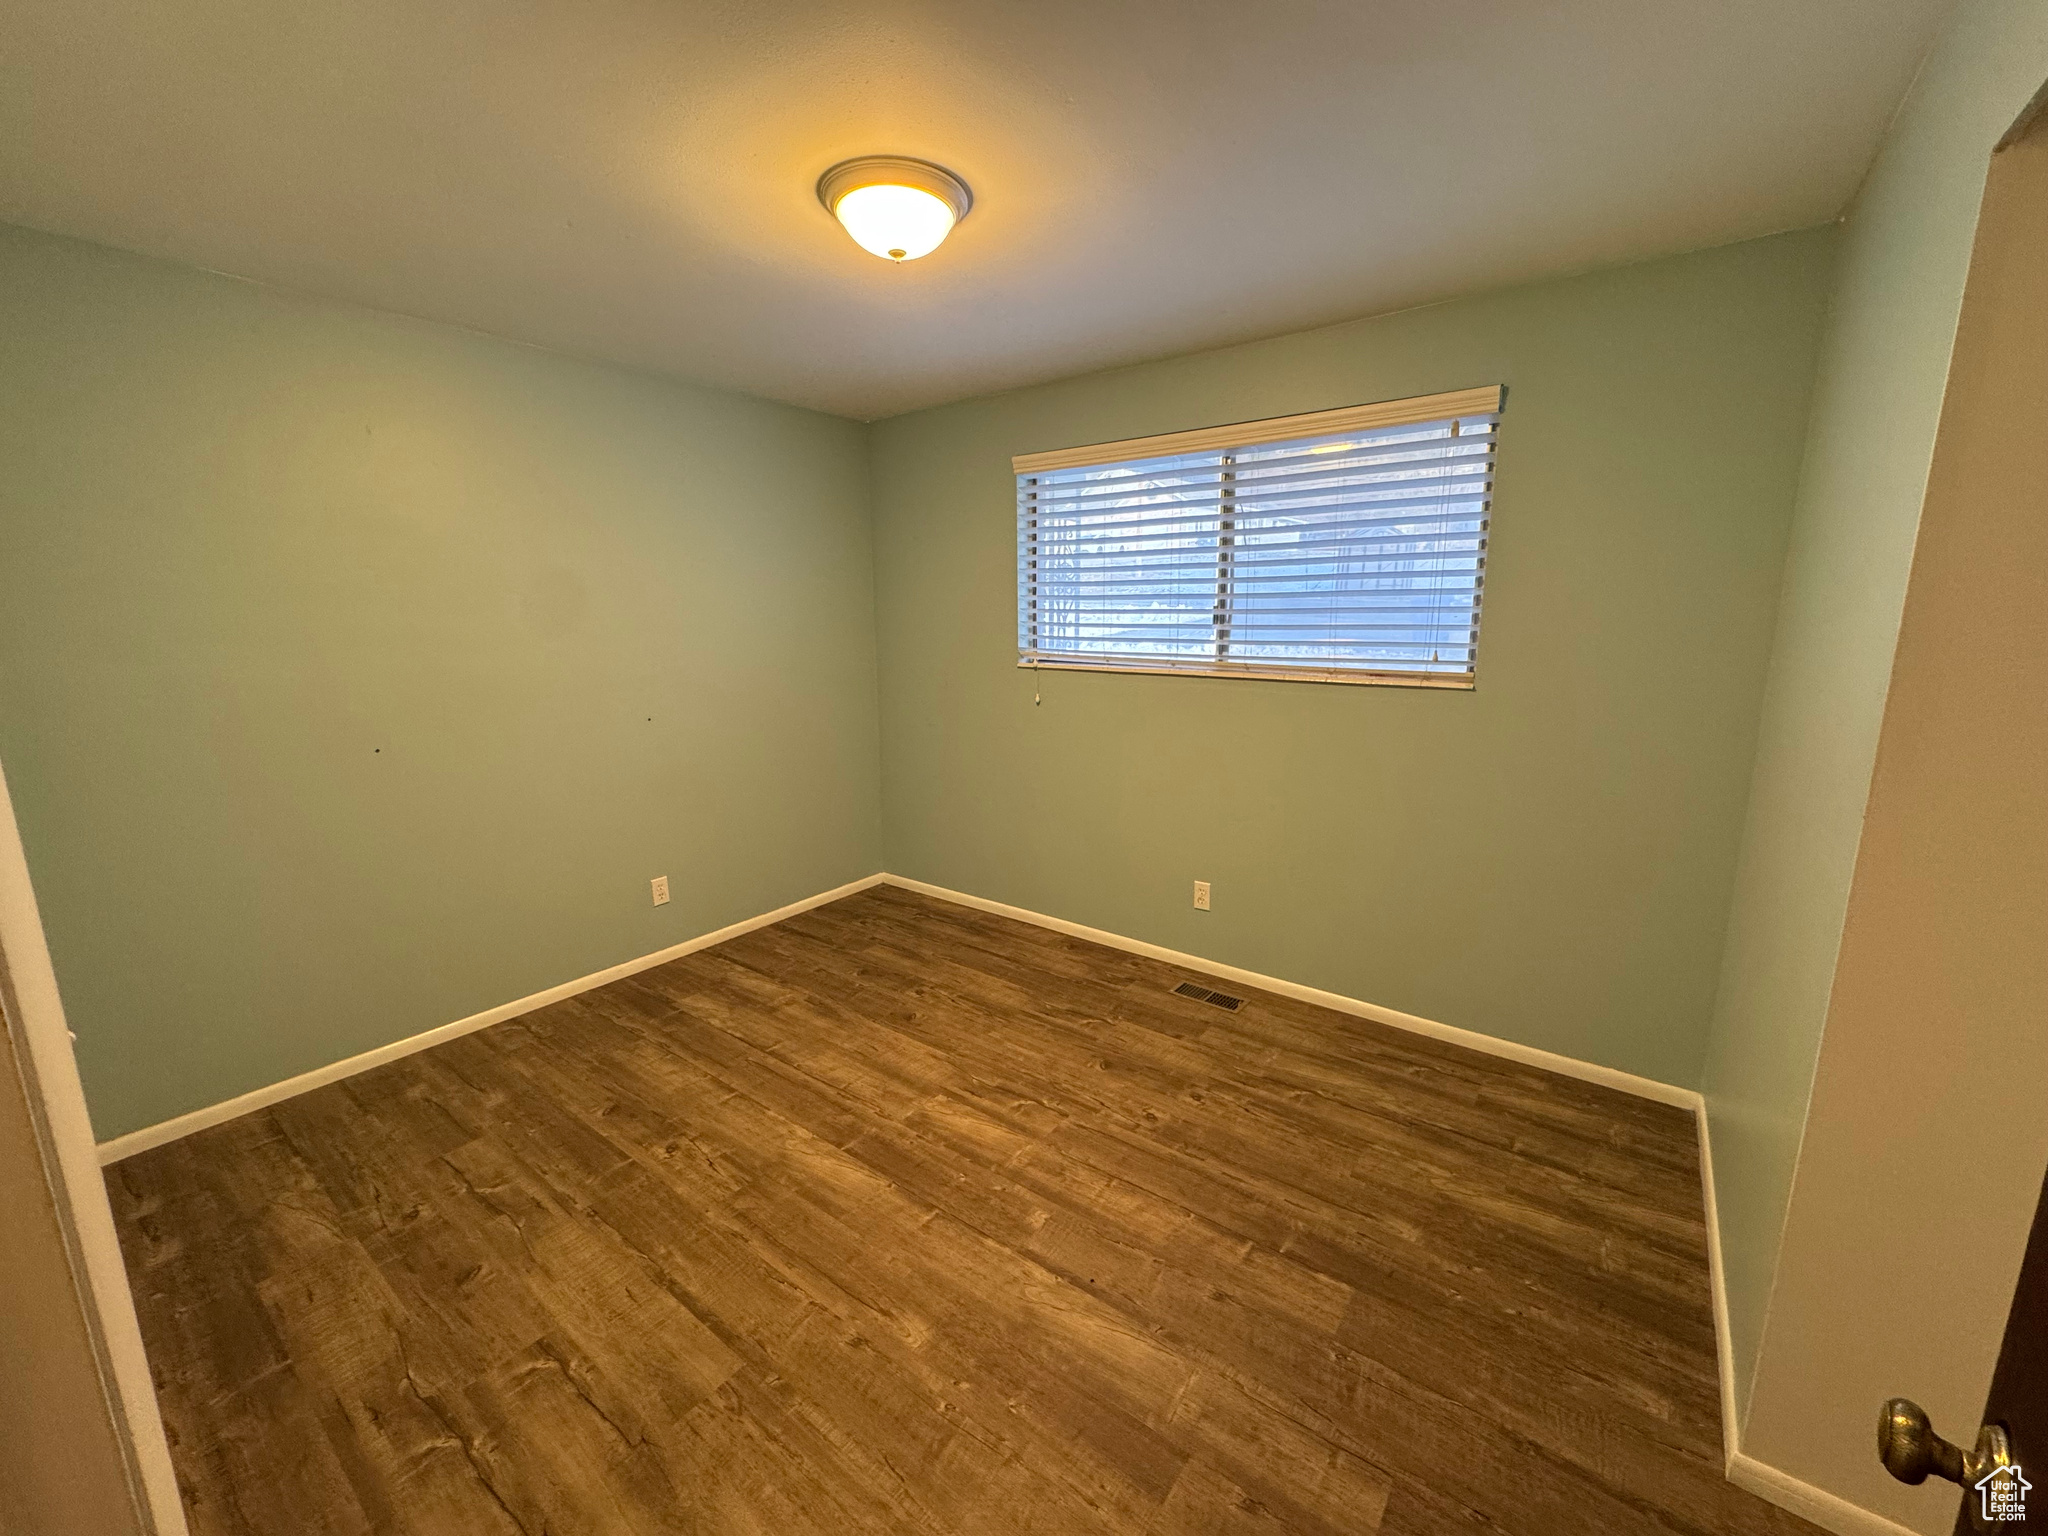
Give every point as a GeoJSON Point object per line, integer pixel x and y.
{"type": "Point", "coordinates": [353, 1343]}
{"type": "Point", "coordinates": [903, 1217]}
{"type": "Point", "coordinates": [1203, 1502]}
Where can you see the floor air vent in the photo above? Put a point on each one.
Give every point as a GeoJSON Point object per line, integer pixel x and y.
{"type": "Point", "coordinates": [1203, 994]}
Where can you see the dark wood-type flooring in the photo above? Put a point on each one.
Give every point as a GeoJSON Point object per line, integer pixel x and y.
{"type": "Point", "coordinates": [898, 1217]}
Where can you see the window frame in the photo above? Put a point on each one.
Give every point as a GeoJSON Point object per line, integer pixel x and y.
{"type": "Point", "coordinates": [1453, 406]}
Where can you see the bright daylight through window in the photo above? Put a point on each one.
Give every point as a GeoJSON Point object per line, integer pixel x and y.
{"type": "Point", "coordinates": [1341, 546]}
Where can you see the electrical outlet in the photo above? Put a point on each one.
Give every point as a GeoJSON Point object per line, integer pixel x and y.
{"type": "Point", "coordinates": [1201, 895]}
{"type": "Point", "coordinates": [660, 887]}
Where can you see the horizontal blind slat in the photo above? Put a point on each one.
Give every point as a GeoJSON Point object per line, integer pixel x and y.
{"type": "Point", "coordinates": [1328, 636]}
{"type": "Point", "coordinates": [1248, 483]}
{"type": "Point", "coordinates": [1407, 523]}
{"type": "Point", "coordinates": [1168, 565]}
{"type": "Point", "coordinates": [1045, 550]}
{"type": "Point", "coordinates": [1316, 574]}
{"type": "Point", "coordinates": [1444, 605]}
{"type": "Point", "coordinates": [1470, 490]}
{"type": "Point", "coordinates": [1186, 501]}
{"type": "Point", "coordinates": [1417, 437]}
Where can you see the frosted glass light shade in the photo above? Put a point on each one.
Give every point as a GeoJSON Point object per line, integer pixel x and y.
{"type": "Point", "coordinates": [901, 223]}
{"type": "Point", "coordinates": [899, 209]}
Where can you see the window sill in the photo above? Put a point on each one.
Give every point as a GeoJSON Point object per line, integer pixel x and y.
{"type": "Point", "coordinates": [1462, 683]}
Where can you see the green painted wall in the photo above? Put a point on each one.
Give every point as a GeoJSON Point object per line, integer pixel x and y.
{"type": "Point", "coordinates": [1548, 858]}
{"type": "Point", "coordinates": [357, 674]}
{"type": "Point", "coordinates": [1884, 365]}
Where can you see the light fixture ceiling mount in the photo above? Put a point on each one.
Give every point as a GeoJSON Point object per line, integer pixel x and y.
{"type": "Point", "coordinates": [894, 206]}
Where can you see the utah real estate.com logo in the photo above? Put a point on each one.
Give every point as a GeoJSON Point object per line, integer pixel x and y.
{"type": "Point", "coordinates": [2004, 1492]}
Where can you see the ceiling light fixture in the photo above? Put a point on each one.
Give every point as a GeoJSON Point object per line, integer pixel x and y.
{"type": "Point", "coordinates": [898, 208]}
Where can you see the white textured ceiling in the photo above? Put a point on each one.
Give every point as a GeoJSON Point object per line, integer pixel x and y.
{"type": "Point", "coordinates": [632, 179]}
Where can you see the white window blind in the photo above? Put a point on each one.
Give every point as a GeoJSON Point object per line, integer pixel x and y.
{"type": "Point", "coordinates": [1342, 546]}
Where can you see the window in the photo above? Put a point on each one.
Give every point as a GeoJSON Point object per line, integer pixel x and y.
{"type": "Point", "coordinates": [1343, 546]}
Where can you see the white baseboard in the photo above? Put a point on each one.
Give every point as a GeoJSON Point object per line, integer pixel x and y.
{"type": "Point", "coordinates": [1491, 1045]}
{"type": "Point", "coordinates": [215, 1114]}
{"type": "Point", "coordinates": [261, 1098]}
{"type": "Point", "coordinates": [1824, 1509]}
{"type": "Point", "coordinates": [1717, 1276]}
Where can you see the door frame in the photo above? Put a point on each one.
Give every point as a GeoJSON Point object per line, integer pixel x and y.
{"type": "Point", "coordinates": [56, 1105]}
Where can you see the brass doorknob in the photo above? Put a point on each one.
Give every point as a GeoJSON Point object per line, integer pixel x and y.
{"type": "Point", "coordinates": [1909, 1447]}
{"type": "Point", "coordinates": [1912, 1452]}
